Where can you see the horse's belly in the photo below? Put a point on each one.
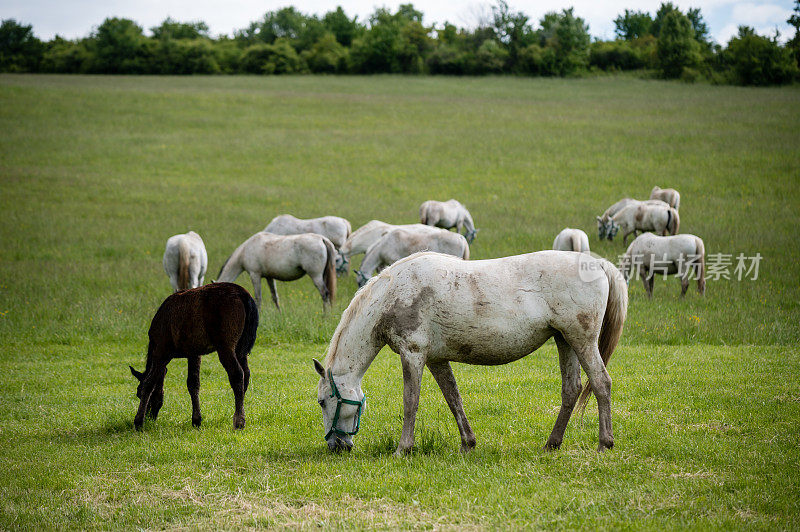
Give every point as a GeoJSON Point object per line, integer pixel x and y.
{"type": "Point", "coordinates": [489, 345]}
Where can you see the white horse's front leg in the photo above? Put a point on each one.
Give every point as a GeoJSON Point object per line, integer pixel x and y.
{"type": "Point", "coordinates": [413, 364]}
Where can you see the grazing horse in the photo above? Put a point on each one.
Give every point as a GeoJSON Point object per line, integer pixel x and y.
{"type": "Point", "coordinates": [219, 317]}
{"type": "Point", "coordinates": [285, 258]}
{"type": "Point", "coordinates": [185, 261]}
{"type": "Point", "coordinates": [650, 254]}
{"type": "Point", "coordinates": [448, 214]}
{"type": "Point", "coordinates": [401, 243]}
{"type": "Point", "coordinates": [644, 217]}
{"type": "Point", "coordinates": [334, 228]}
{"type": "Point", "coordinates": [369, 233]}
{"type": "Point", "coordinates": [571, 240]}
{"type": "Point", "coordinates": [668, 195]}
{"type": "Point", "coordinates": [603, 221]}
{"type": "Point", "coordinates": [434, 309]}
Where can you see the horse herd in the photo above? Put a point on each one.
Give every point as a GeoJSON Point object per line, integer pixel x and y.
{"type": "Point", "coordinates": [428, 303]}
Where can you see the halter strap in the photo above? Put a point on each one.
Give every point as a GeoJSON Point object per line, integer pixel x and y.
{"type": "Point", "coordinates": [339, 402]}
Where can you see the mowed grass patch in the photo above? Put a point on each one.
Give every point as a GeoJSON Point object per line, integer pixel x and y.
{"type": "Point", "coordinates": [693, 447]}
{"type": "Point", "coordinates": [97, 172]}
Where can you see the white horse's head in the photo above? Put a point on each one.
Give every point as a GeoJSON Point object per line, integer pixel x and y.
{"type": "Point", "coordinates": [612, 228]}
{"type": "Point", "coordinates": [470, 236]}
{"type": "Point", "coordinates": [361, 278]}
{"type": "Point", "coordinates": [342, 263]}
{"type": "Point", "coordinates": [601, 228]}
{"type": "Point", "coordinates": [341, 410]}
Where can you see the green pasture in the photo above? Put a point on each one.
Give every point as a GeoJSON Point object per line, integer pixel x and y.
{"type": "Point", "coordinates": [97, 172]}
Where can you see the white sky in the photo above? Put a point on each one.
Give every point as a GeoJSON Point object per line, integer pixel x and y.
{"type": "Point", "coordinates": [77, 18]}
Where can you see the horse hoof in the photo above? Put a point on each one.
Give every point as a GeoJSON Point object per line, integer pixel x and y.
{"type": "Point", "coordinates": [601, 447]}
{"type": "Point", "coordinates": [137, 426]}
{"type": "Point", "coordinates": [238, 422]}
{"type": "Point", "coordinates": [196, 423]}
{"type": "Point", "coordinates": [552, 446]}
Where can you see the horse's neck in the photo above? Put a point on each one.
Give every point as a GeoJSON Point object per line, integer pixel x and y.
{"type": "Point", "coordinates": [370, 262]}
{"type": "Point", "coordinates": [233, 267]}
{"type": "Point", "coordinates": [356, 346]}
{"type": "Point", "coordinates": [468, 221]}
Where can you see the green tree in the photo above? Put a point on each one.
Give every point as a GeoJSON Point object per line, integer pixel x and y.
{"type": "Point", "coordinates": [180, 30]}
{"type": "Point", "coordinates": [757, 60]}
{"type": "Point", "coordinates": [343, 27]}
{"type": "Point", "coordinates": [20, 50]}
{"type": "Point", "coordinates": [326, 56]}
{"type": "Point", "coordinates": [66, 57]}
{"type": "Point", "coordinates": [568, 37]}
{"type": "Point", "coordinates": [277, 58]}
{"type": "Point", "coordinates": [633, 25]}
{"type": "Point", "coordinates": [794, 43]}
{"type": "Point", "coordinates": [119, 48]}
{"type": "Point", "coordinates": [677, 48]}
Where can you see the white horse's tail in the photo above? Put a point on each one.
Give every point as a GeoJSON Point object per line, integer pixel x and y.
{"type": "Point", "coordinates": [423, 213]}
{"type": "Point", "coordinates": [465, 255]}
{"type": "Point", "coordinates": [613, 321]}
{"type": "Point", "coordinates": [184, 254]}
{"type": "Point", "coordinates": [329, 274]}
{"type": "Point", "coordinates": [701, 270]}
{"type": "Point", "coordinates": [673, 222]}
{"type": "Point", "coordinates": [576, 242]}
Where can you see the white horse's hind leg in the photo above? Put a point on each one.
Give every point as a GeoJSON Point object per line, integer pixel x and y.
{"type": "Point", "coordinates": [600, 381]}
{"type": "Point", "coordinates": [173, 280]}
{"type": "Point", "coordinates": [256, 279]}
{"type": "Point", "coordinates": [274, 291]}
{"type": "Point", "coordinates": [447, 383]}
{"type": "Point", "coordinates": [570, 390]}
{"type": "Point", "coordinates": [413, 364]}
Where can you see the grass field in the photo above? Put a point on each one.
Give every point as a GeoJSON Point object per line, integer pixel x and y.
{"type": "Point", "coordinates": [97, 172]}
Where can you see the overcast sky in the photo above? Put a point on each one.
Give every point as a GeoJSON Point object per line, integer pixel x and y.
{"type": "Point", "coordinates": [77, 18]}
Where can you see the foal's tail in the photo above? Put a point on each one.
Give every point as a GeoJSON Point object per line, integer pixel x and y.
{"type": "Point", "coordinates": [613, 321]}
{"type": "Point", "coordinates": [576, 242]}
{"type": "Point", "coordinates": [329, 274]}
{"type": "Point", "coordinates": [701, 271]}
{"type": "Point", "coordinates": [248, 337]}
{"type": "Point", "coordinates": [184, 254]}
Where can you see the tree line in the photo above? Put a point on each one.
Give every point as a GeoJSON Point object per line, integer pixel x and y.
{"type": "Point", "coordinates": [669, 43]}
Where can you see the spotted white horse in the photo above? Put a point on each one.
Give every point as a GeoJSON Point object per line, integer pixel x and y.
{"type": "Point", "coordinates": [661, 219]}
{"type": "Point", "coordinates": [401, 243]}
{"type": "Point", "coordinates": [334, 228]}
{"type": "Point", "coordinates": [362, 238]}
{"type": "Point", "coordinates": [284, 258]}
{"type": "Point", "coordinates": [434, 309]}
{"type": "Point", "coordinates": [682, 255]}
{"type": "Point", "coordinates": [448, 214]}
{"type": "Point", "coordinates": [603, 221]}
{"type": "Point", "coordinates": [185, 261]}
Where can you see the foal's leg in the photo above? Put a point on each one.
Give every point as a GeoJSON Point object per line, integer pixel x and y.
{"type": "Point", "coordinates": [236, 377]}
{"type": "Point", "coordinates": [256, 279]}
{"type": "Point", "coordinates": [413, 364]}
{"type": "Point", "coordinates": [600, 381]}
{"type": "Point", "coordinates": [570, 390]}
{"type": "Point", "coordinates": [274, 291]}
{"type": "Point", "coordinates": [443, 374]}
{"type": "Point", "coordinates": [157, 398]}
{"type": "Point", "coordinates": [193, 384]}
{"type": "Point", "coordinates": [246, 372]}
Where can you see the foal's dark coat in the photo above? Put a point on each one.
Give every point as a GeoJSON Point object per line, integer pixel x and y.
{"type": "Point", "coordinates": [219, 317]}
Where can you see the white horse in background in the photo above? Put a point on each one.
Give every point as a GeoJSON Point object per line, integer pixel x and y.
{"type": "Point", "coordinates": [434, 309]}
{"type": "Point", "coordinates": [661, 219]}
{"type": "Point", "coordinates": [285, 258]}
{"type": "Point", "coordinates": [603, 220]}
{"type": "Point", "coordinates": [448, 214]}
{"type": "Point", "coordinates": [334, 228]}
{"type": "Point", "coordinates": [650, 254]}
{"type": "Point", "coordinates": [401, 243]}
{"type": "Point", "coordinates": [362, 238]}
{"type": "Point", "coordinates": [668, 195]}
{"type": "Point", "coordinates": [571, 240]}
{"type": "Point", "coordinates": [185, 261]}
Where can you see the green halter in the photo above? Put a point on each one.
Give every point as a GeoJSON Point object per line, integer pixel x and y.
{"type": "Point", "coordinates": [339, 402]}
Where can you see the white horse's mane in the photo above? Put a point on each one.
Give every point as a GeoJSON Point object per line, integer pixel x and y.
{"type": "Point", "coordinates": [357, 302]}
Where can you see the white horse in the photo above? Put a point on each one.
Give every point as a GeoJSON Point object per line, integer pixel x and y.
{"type": "Point", "coordinates": [602, 221]}
{"type": "Point", "coordinates": [650, 254]}
{"type": "Point", "coordinates": [668, 195]}
{"type": "Point", "coordinates": [659, 218]}
{"type": "Point", "coordinates": [401, 243]}
{"type": "Point", "coordinates": [285, 258]}
{"type": "Point", "coordinates": [334, 228]}
{"type": "Point", "coordinates": [185, 261]}
{"type": "Point", "coordinates": [571, 240]}
{"type": "Point", "coordinates": [362, 238]}
{"type": "Point", "coordinates": [448, 214]}
{"type": "Point", "coordinates": [434, 309]}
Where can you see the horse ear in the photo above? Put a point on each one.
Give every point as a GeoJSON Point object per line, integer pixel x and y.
{"type": "Point", "coordinates": [319, 368]}
{"type": "Point", "coordinates": [136, 374]}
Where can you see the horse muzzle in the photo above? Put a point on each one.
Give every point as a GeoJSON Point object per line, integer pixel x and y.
{"type": "Point", "coordinates": [338, 444]}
